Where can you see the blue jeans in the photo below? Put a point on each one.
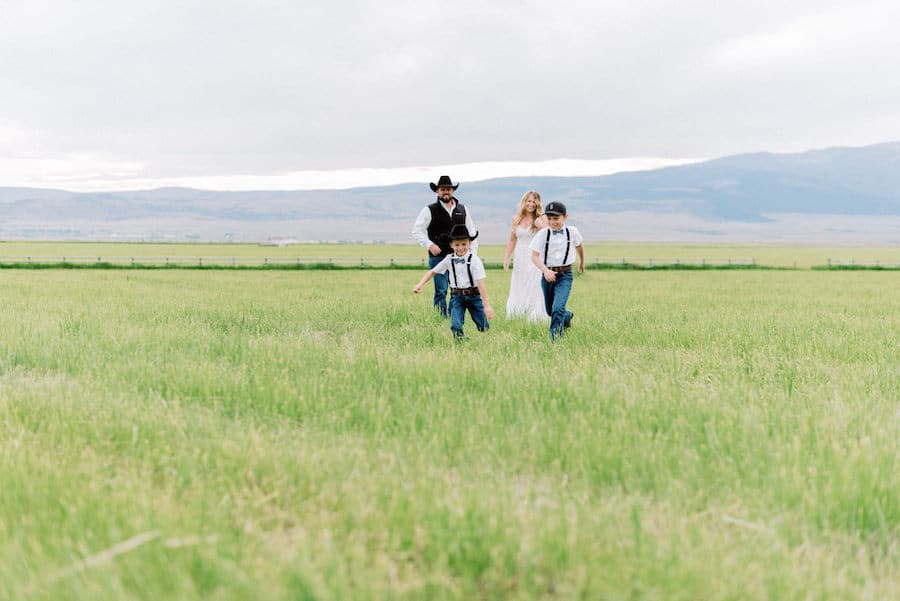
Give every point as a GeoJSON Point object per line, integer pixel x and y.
{"type": "Point", "coordinates": [556, 295]}
{"type": "Point", "coordinates": [458, 305]}
{"type": "Point", "coordinates": [441, 283]}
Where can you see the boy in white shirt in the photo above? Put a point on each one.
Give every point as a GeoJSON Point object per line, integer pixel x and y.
{"type": "Point", "coordinates": [466, 275]}
{"type": "Point", "coordinates": [553, 251]}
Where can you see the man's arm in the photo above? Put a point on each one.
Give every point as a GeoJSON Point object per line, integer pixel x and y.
{"type": "Point", "coordinates": [470, 225]}
{"type": "Point", "coordinates": [420, 232]}
{"type": "Point", "coordinates": [580, 250]}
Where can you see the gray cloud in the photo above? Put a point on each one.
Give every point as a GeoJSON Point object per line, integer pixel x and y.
{"type": "Point", "coordinates": [211, 88]}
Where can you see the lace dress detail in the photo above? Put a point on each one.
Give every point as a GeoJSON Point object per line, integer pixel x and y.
{"type": "Point", "coordinates": [525, 296]}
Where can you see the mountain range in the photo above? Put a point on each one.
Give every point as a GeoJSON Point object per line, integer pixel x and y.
{"type": "Point", "coordinates": [834, 195]}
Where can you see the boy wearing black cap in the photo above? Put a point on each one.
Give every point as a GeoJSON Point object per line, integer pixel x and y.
{"type": "Point", "coordinates": [466, 276]}
{"type": "Point", "coordinates": [553, 251]}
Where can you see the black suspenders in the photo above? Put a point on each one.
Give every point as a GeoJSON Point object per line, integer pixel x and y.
{"type": "Point", "coordinates": [468, 268]}
{"type": "Point", "coordinates": [547, 246]}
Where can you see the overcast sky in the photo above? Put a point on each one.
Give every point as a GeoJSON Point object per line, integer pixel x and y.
{"type": "Point", "coordinates": [121, 93]}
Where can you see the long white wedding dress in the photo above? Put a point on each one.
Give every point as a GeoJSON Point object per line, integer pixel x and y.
{"type": "Point", "coordinates": [525, 296]}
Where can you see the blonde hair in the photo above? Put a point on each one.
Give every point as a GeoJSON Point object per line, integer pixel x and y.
{"type": "Point", "coordinates": [522, 213]}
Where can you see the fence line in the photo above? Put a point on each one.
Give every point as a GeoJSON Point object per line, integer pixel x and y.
{"type": "Point", "coordinates": [210, 261]}
{"type": "Point", "coordinates": [865, 263]}
{"type": "Point", "coordinates": [399, 262]}
{"type": "Point", "coordinates": [674, 261]}
{"type": "Point", "coordinates": [235, 261]}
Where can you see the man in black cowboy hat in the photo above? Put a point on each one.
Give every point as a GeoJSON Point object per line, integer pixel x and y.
{"type": "Point", "coordinates": [432, 231]}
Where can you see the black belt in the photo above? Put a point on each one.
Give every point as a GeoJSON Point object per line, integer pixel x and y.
{"type": "Point", "coordinates": [464, 291]}
{"type": "Point", "coordinates": [561, 269]}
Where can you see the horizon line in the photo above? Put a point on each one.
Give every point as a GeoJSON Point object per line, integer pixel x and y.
{"type": "Point", "coordinates": [365, 177]}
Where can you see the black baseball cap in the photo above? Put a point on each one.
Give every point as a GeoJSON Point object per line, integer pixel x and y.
{"type": "Point", "coordinates": [556, 208]}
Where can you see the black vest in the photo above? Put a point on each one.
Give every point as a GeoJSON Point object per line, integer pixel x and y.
{"type": "Point", "coordinates": [441, 222]}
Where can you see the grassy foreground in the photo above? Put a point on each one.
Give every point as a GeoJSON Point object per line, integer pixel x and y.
{"type": "Point", "coordinates": [318, 435]}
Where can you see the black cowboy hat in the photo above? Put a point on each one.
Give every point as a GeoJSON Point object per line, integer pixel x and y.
{"type": "Point", "coordinates": [444, 182]}
{"type": "Point", "coordinates": [460, 231]}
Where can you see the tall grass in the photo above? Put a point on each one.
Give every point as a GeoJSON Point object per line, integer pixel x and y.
{"type": "Point", "coordinates": [319, 435]}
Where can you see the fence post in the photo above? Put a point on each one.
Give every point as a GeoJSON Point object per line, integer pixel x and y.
{"type": "Point", "coordinates": [200, 261]}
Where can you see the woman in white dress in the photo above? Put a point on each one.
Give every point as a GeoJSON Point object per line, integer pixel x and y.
{"type": "Point", "coordinates": [525, 296]}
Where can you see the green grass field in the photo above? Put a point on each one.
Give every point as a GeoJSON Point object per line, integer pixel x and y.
{"type": "Point", "coordinates": [319, 435]}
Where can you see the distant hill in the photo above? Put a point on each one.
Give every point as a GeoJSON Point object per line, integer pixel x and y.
{"type": "Point", "coordinates": [831, 195]}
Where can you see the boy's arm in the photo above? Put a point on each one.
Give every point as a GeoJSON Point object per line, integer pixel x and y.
{"type": "Point", "coordinates": [549, 274]}
{"type": "Point", "coordinates": [423, 281]}
{"type": "Point", "coordinates": [487, 303]}
{"type": "Point", "coordinates": [580, 250]}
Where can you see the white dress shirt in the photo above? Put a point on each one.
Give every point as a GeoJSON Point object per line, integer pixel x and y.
{"type": "Point", "coordinates": [557, 250]}
{"type": "Point", "coordinates": [460, 271]}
